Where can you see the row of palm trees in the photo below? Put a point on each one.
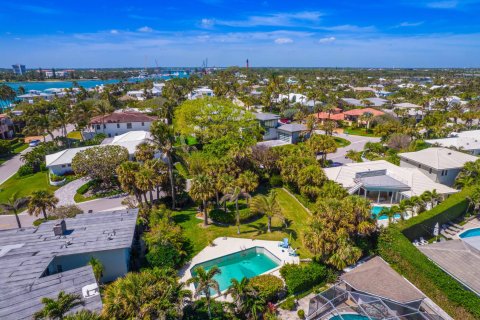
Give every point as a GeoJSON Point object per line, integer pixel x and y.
{"type": "Point", "coordinates": [415, 204]}
{"type": "Point", "coordinates": [39, 202]}
{"type": "Point", "coordinates": [246, 299]}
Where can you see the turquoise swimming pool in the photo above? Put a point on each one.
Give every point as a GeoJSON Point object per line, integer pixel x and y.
{"type": "Point", "coordinates": [376, 211]}
{"type": "Point", "coordinates": [470, 233]}
{"type": "Point", "coordinates": [245, 264]}
{"type": "Point", "coordinates": [349, 316]}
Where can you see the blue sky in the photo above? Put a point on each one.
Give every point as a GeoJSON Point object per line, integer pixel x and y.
{"type": "Point", "coordinates": [315, 33]}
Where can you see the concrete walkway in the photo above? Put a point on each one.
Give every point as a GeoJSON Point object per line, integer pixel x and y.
{"type": "Point", "coordinates": [357, 143]}
{"type": "Point", "coordinates": [302, 304]}
{"type": "Point", "coordinates": [10, 167]}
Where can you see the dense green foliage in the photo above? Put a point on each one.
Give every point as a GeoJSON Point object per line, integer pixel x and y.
{"type": "Point", "coordinates": [299, 278]}
{"type": "Point", "coordinates": [267, 286]}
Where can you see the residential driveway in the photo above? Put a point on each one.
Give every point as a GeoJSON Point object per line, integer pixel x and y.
{"type": "Point", "coordinates": [357, 143]}
{"type": "Point", "coordinates": [66, 193]}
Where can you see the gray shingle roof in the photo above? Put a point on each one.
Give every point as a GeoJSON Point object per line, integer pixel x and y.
{"type": "Point", "coordinates": [383, 182]}
{"type": "Point", "coordinates": [26, 253]}
{"type": "Point", "coordinates": [293, 127]}
{"type": "Point", "coordinates": [266, 116]}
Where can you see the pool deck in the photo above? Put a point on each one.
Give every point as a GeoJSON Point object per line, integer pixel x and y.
{"type": "Point", "coordinates": [227, 245]}
{"type": "Point", "coordinates": [472, 224]}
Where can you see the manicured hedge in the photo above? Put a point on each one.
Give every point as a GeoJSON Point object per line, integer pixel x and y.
{"type": "Point", "coordinates": [448, 293]}
{"type": "Point", "coordinates": [450, 209]}
{"type": "Point", "coordinates": [220, 216]}
{"type": "Point", "coordinates": [267, 286]}
{"type": "Point", "coordinates": [303, 277]}
{"type": "Point", "coordinates": [394, 245]}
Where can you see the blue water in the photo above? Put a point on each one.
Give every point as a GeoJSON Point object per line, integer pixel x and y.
{"type": "Point", "coordinates": [470, 233]}
{"type": "Point", "coordinates": [349, 317]}
{"type": "Point", "coordinates": [376, 211]}
{"type": "Point", "coordinates": [246, 264]}
{"type": "Point", "coordinates": [43, 85]}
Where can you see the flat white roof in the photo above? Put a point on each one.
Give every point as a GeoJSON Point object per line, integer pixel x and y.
{"type": "Point", "coordinates": [466, 143]}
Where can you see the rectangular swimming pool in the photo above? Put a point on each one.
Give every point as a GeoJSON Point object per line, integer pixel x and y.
{"type": "Point", "coordinates": [244, 264]}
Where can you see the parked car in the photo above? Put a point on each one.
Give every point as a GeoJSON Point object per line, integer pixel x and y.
{"type": "Point", "coordinates": [34, 143]}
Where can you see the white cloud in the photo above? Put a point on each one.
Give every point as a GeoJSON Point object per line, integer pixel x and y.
{"type": "Point", "coordinates": [145, 29]}
{"type": "Point", "coordinates": [114, 31]}
{"type": "Point", "coordinates": [410, 24]}
{"type": "Point", "coordinates": [207, 23]}
{"type": "Point", "coordinates": [327, 40]}
{"type": "Point", "coordinates": [283, 40]}
{"type": "Point", "coordinates": [350, 28]}
{"type": "Point", "coordinates": [275, 20]}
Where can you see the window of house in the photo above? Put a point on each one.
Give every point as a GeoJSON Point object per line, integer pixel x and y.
{"type": "Point", "coordinates": [430, 171]}
{"type": "Point", "coordinates": [59, 268]}
{"type": "Point", "coordinates": [118, 125]}
{"type": "Point", "coordinates": [129, 125]}
{"type": "Point", "coordinates": [143, 124]}
{"type": "Point", "coordinates": [98, 127]}
{"type": "Point", "coordinates": [69, 165]}
{"type": "Point", "coordinates": [63, 166]}
{"type": "Point", "coordinates": [104, 126]}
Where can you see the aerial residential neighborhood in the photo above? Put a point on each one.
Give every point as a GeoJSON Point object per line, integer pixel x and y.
{"type": "Point", "coordinates": [234, 160]}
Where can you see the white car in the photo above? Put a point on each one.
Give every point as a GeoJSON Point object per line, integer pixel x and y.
{"type": "Point", "coordinates": [34, 143]}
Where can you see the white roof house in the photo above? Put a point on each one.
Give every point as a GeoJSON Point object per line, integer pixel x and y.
{"type": "Point", "coordinates": [131, 140]}
{"type": "Point", "coordinates": [200, 93]}
{"type": "Point", "coordinates": [439, 158]}
{"type": "Point", "coordinates": [407, 181]}
{"type": "Point", "coordinates": [406, 105]}
{"type": "Point", "coordinates": [470, 144]}
{"type": "Point", "coordinates": [63, 157]}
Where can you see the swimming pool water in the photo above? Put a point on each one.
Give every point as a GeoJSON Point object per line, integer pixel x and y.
{"type": "Point", "coordinates": [349, 316]}
{"type": "Point", "coordinates": [245, 264]}
{"type": "Point", "coordinates": [470, 233]}
{"type": "Point", "coordinates": [376, 211]}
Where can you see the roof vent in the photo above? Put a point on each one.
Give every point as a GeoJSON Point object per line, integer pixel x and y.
{"type": "Point", "coordinates": [60, 228]}
{"type": "Point", "coordinates": [90, 290]}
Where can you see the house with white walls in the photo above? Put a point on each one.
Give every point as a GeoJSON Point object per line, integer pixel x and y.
{"type": "Point", "coordinates": [120, 122]}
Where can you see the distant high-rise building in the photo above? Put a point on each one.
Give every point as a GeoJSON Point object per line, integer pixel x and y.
{"type": "Point", "coordinates": [19, 69]}
{"type": "Point", "coordinates": [247, 64]}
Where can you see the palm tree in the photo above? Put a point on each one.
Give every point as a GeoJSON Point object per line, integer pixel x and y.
{"type": "Point", "coordinates": [234, 194]}
{"type": "Point", "coordinates": [101, 108]}
{"type": "Point", "coordinates": [202, 189]}
{"type": "Point", "coordinates": [474, 199]}
{"type": "Point", "coordinates": [144, 152]}
{"type": "Point", "coordinates": [57, 308]}
{"type": "Point", "coordinates": [83, 315]}
{"type": "Point", "coordinates": [240, 290]}
{"type": "Point", "coordinates": [41, 201]}
{"type": "Point", "coordinates": [13, 205]}
{"type": "Point", "coordinates": [145, 181]}
{"type": "Point", "coordinates": [255, 305]}
{"type": "Point", "coordinates": [248, 181]}
{"type": "Point", "coordinates": [126, 174]}
{"type": "Point", "coordinates": [205, 283]}
{"type": "Point", "coordinates": [345, 255]}
{"type": "Point", "coordinates": [367, 118]}
{"type": "Point", "coordinates": [163, 138]}
{"type": "Point", "coordinates": [267, 205]}
{"type": "Point", "coordinates": [97, 267]}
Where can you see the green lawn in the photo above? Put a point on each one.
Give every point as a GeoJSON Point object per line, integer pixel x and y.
{"type": "Point", "coordinates": [292, 210]}
{"type": "Point", "coordinates": [359, 132]}
{"type": "Point", "coordinates": [341, 142]}
{"type": "Point", "coordinates": [24, 185]}
{"type": "Point", "coordinates": [77, 135]}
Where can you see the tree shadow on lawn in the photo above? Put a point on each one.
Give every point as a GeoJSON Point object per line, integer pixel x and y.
{"type": "Point", "coordinates": [182, 217]}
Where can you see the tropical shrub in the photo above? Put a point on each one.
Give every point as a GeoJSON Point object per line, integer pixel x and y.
{"type": "Point", "coordinates": [25, 170]}
{"type": "Point", "coordinates": [5, 147]}
{"type": "Point", "coordinates": [288, 304]}
{"type": "Point", "coordinates": [268, 286]}
{"type": "Point", "coordinates": [198, 310]}
{"type": "Point", "coordinates": [222, 217]}
{"type": "Point", "coordinates": [301, 314]}
{"type": "Point", "coordinates": [300, 278]}
{"type": "Point", "coordinates": [275, 181]}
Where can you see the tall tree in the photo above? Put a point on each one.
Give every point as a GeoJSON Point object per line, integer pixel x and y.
{"type": "Point", "coordinates": [13, 205]}
{"type": "Point", "coordinates": [234, 194]}
{"type": "Point", "coordinates": [205, 284]}
{"type": "Point", "coordinates": [267, 205]}
{"type": "Point", "coordinates": [97, 268]}
{"type": "Point", "coordinates": [163, 139]}
{"type": "Point", "coordinates": [40, 202]}
{"type": "Point", "coordinates": [202, 189]}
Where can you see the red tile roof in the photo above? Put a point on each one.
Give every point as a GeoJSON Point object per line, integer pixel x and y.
{"type": "Point", "coordinates": [333, 116]}
{"type": "Point", "coordinates": [122, 117]}
{"type": "Point", "coordinates": [359, 112]}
